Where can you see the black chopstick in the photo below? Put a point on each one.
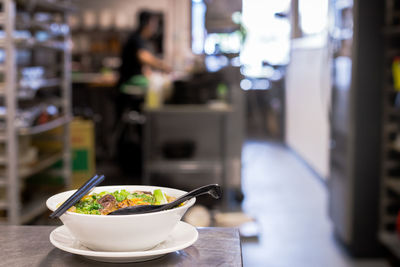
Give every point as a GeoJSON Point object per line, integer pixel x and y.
{"type": "Point", "coordinates": [92, 182]}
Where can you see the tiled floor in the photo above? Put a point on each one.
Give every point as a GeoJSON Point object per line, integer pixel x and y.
{"type": "Point", "coordinates": [290, 205]}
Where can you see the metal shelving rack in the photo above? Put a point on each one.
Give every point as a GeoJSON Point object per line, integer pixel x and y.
{"type": "Point", "coordinates": [13, 176]}
{"type": "Point", "coordinates": [390, 185]}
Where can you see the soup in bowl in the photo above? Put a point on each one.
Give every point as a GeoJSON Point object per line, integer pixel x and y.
{"type": "Point", "coordinates": [89, 223]}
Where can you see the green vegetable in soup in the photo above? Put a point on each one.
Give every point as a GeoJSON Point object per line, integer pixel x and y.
{"type": "Point", "coordinates": [88, 206]}
{"type": "Point", "coordinates": [106, 202]}
{"type": "Point", "coordinates": [120, 195]}
{"type": "Point", "coordinates": [159, 197]}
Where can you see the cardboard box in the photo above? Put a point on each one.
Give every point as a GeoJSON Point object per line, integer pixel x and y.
{"type": "Point", "coordinates": [83, 151]}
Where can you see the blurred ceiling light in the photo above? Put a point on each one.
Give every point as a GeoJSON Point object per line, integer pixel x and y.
{"type": "Point", "coordinates": [198, 26]}
{"type": "Point", "coordinates": [268, 71]}
{"type": "Point", "coordinates": [313, 15]}
{"type": "Point", "coordinates": [278, 74]}
{"type": "Point", "coordinates": [246, 84]}
{"type": "Point", "coordinates": [209, 45]}
{"type": "Point", "coordinates": [237, 17]}
{"type": "Point", "coordinates": [215, 63]}
{"type": "Point", "coordinates": [235, 62]}
{"type": "Point", "coordinates": [268, 36]}
{"type": "Point", "coordinates": [261, 84]}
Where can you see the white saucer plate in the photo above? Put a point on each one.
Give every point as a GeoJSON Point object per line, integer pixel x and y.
{"type": "Point", "coordinates": [183, 236]}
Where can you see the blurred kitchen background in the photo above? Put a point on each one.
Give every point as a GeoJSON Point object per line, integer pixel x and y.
{"type": "Point", "coordinates": [292, 106]}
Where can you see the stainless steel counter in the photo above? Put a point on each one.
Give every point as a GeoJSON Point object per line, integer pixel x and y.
{"type": "Point", "coordinates": [30, 246]}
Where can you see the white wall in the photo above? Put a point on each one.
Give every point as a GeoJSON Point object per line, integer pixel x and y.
{"type": "Point", "coordinates": [307, 102]}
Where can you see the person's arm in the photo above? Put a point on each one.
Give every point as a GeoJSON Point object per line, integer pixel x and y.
{"type": "Point", "coordinates": [147, 58]}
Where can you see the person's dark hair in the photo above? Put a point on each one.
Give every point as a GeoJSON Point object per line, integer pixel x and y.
{"type": "Point", "coordinates": [144, 17]}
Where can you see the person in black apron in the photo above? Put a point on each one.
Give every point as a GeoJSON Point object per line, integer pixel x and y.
{"type": "Point", "coordinates": [137, 61]}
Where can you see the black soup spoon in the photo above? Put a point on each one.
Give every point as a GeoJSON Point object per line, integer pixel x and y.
{"type": "Point", "coordinates": [213, 189]}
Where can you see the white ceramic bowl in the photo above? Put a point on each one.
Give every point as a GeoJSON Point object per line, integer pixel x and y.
{"type": "Point", "coordinates": [122, 232]}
